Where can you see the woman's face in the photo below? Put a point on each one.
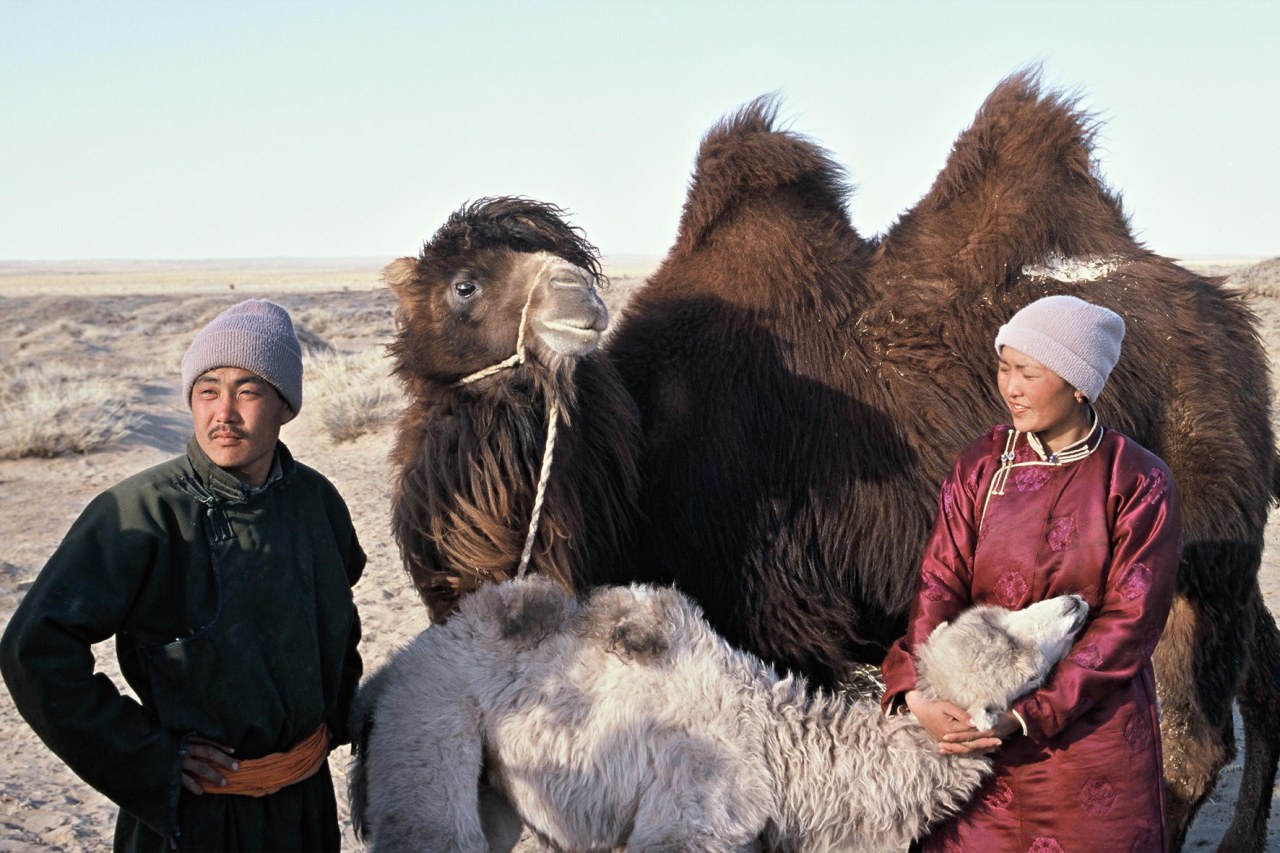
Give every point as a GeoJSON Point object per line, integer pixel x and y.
{"type": "Point", "coordinates": [1039, 400]}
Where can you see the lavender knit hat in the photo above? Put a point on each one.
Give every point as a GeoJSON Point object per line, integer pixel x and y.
{"type": "Point", "coordinates": [1075, 339]}
{"type": "Point", "coordinates": [256, 335]}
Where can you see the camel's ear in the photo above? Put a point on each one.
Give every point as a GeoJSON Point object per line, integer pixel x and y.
{"type": "Point", "coordinates": [399, 274]}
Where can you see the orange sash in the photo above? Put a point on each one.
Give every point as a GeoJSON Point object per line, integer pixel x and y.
{"type": "Point", "coordinates": [258, 777]}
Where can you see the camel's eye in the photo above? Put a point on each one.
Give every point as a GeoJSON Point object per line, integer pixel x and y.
{"type": "Point", "coordinates": [465, 288]}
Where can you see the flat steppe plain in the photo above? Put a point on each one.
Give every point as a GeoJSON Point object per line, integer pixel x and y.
{"type": "Point", "coordinates": [134, 319]}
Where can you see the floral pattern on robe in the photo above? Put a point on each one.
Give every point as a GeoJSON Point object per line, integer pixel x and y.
{"type": "Point", "coordinates": [1107, 527]}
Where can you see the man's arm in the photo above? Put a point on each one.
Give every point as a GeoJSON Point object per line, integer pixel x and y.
{"type": "Point", "coordinates": [81, 597]}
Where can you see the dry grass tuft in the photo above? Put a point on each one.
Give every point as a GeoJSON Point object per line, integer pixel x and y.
{"type": "Point", "coordinates": [353, 394]}
{"type": "Point", "coordinates": [311, 341]}
{"type": "Point", "coordinates": [46, 412]}
{"type": "Point", "coordinates": [1261, 279]}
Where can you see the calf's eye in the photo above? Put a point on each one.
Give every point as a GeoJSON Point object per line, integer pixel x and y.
{"type": "Point", "coordinates": [465, 289]}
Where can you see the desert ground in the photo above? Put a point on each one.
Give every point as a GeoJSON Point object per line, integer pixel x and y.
{"type": "Point", "coordinates": [120, 328]}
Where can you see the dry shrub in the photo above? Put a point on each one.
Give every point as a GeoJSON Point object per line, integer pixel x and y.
{"type": "Point", "coordinates": [311, 342]}
{"type": "Point", "coordinates": [1261, 279]}
{"type": "Point", "coordinates": [318, 320]}
{"type": "Point", "coordinates": [353, 394]}
{"type": "Point", "coordinates": [47, 411]}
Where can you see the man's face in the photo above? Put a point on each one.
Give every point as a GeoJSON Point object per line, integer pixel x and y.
{"type": "Point", "coordinates": [238, 416]}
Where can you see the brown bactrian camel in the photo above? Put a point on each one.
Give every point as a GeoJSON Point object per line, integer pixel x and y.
{"type": "Point", "coordinates": [803, 390]}
{"type": "Point", "coordinates": [498, 322]}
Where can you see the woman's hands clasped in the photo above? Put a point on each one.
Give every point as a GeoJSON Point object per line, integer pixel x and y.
{"type": "Point", "coordinates": [951, 727]}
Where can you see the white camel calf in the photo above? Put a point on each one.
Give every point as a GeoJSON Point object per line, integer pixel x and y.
{"type": "Point", "coordinates": [623, 720]}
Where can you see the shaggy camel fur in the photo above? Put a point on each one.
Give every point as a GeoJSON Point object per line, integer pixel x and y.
{"type": "Point", "coordinates": [623, 719]}
{"type": "Point", "coordinates": [803, 391]}
{"type": "Point", "coordinates": [504, 276]}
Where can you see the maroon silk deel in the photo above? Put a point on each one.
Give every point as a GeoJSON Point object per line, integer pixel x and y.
{"type": "Point", "coordinates": [1107, 527]}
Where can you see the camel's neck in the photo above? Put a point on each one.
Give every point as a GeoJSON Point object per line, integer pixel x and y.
{"type": "Point", "coordinates": [851, 778]}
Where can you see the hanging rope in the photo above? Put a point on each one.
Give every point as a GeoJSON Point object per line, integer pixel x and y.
{"type": "Point", "coordinates": [553, 416]}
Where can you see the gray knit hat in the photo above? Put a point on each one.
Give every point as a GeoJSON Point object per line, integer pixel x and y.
{"type": "Point", "coordinates": [256, 335]}
{"type": "Point", "coordinates": [1075, 339]}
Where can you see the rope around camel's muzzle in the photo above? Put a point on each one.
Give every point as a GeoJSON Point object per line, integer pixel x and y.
{"type": "Point", "coordinates": [553, 418]}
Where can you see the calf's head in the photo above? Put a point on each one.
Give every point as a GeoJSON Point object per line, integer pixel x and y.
{"type": "Point", "coordinates": [989, 656]}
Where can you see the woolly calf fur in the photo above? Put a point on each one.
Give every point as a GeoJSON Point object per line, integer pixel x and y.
{"type": "Point", "coordinates": [622, 719]}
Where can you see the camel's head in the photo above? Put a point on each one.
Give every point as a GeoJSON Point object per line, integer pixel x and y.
{"type": "Point", "coordinates": [989, 656]}
{"type": "Point", "coordinates": [463, 301]}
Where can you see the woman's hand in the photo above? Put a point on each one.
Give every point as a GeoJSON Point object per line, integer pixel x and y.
{"type": "Point", "coordinates": [939, 719]}
{"type": "Point", "coordinates": [951, 727]}
{"type": "Point", "coordinates": [202, 759]}
{"type": "Point", "coordinates": [974, 741]}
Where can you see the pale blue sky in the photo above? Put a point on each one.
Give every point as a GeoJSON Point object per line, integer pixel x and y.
{"type": "Point", "coordinates": [269, 129]}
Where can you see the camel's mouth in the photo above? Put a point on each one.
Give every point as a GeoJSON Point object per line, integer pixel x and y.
{"type": "Point", "coordinates": [567, 338]}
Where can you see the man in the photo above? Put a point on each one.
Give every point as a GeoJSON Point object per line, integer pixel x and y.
{"type": "Point", "coordinates": [225, 577]}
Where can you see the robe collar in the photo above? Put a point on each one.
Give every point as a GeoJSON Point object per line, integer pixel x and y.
{"type": "Point", "coordinates": [224, 486]}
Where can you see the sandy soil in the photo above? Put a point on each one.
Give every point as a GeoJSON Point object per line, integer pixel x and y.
{"type": "Point", "coordinates": [136, 320]}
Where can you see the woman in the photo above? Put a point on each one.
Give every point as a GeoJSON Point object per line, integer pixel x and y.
{"type": "Point", "coordinates": [1056, 503]}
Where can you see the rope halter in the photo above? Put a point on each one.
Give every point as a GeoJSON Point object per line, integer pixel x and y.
{"type": "Point", "coordinates": [553, 417]}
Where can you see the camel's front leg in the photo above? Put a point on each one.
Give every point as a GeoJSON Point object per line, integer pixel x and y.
{"type": "Point", "coordinates": [424, 777]}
